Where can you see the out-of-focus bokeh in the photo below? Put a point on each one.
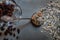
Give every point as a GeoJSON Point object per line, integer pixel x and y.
{"type": "Point", "coordinates": [30, 32]}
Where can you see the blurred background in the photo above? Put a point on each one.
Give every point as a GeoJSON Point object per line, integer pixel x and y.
{"type": "Point", "coordinates": [28, 8]}
{"type": "Point", "coordinates": [29, 32]}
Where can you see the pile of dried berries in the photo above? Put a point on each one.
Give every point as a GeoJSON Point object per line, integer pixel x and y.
{"type": "Point", "coordinates": [6, 9]}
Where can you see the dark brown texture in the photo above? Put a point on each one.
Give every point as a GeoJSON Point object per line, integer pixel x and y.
{"type": "Point", "coordinates": [0, 33]}
{"type": "Point", "coordinates": [6, 9]}
{"type": "Point", "coordinates": [5, 39]}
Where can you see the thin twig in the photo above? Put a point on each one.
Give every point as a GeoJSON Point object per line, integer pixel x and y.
{"type": "Point", "coordinates": [22, 19]}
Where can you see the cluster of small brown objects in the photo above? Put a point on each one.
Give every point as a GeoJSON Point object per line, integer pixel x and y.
{"type": "Point", "coordinates": [34, 20]}
{"type": "Point", "coordinates": [6, 9]}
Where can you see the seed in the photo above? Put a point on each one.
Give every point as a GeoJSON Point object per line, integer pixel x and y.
{"type": "Point", "coordinates": [9, 28]}
{"type": "Point", "coordinates": [14, 29]}
{"type": "Point", "coordinates": [5, 33]}
{"type": "Point", "coordinates": [0, 33]}
{"type": "Point", "coordinates": [50, 1]}
{"type": "Point", "coordinates": [17, 37]}
{"type": "Point", "coordinates": [10, 33]}
{"type": "Point", "coordinates": [2, 29]}
{"type": "Point", "coordinates": [18, 31]}
{"type": "Point", "coordinates": [13, 35]}
{"type": "Point", "coordinates": [5, 39]}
